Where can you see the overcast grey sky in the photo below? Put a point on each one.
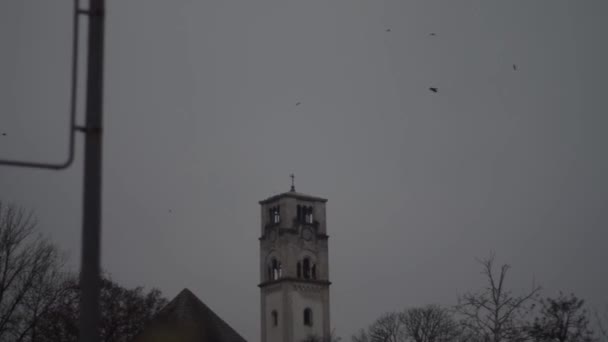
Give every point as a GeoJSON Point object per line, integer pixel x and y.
{"type": "Point", "coordinates": [201, 123]}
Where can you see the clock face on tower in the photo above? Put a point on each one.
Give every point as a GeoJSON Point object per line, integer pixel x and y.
{"type": "Point", "coordinates": [307, 234]}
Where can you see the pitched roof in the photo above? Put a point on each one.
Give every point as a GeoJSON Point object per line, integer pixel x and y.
{"type": "Point", "coordinates": [187, 319]}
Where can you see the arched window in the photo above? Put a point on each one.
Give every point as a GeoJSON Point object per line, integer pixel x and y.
{"type": "Point", "coordinates": [299, 270]}
{"type": "Point", "coordinates": [275, 318]}
{"type": "Point", "coordinates": [308, 317]}
{"type": "Point", "coordinates": [308, 217]}
{"type": "Point", "coordinates": [314, 271]}
{"type": "Point", "coordinates": [275, 214]}
{"type": "Point", "coordinates": [306, 270]}
{"type": "Point", "coordinates": [275, 270]}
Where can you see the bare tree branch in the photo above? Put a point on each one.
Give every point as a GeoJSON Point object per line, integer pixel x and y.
{"type": "Point", "coordinates": [602, 322]}
{"type": "Point", "coordinates": [124, 312]}
{"type": "Point", "coordinates": [360, 336]}
{"type": "Point", "coordinates": [493, 314]}
{"type": "Point", "coordinates": [387, 328]}
{"type": "Point", "coordinates": [30, 274]}
{"type": "Point", "coordinates": [431, 323]}
{"type": "Point", "coordinates": [561, 319]}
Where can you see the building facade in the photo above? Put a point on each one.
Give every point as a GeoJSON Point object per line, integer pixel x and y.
{"type": "Point", "coordinates": [294, 268]}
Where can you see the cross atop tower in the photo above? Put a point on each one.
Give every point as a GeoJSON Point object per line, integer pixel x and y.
{"type": "Point", "coordinates": [293, 186]}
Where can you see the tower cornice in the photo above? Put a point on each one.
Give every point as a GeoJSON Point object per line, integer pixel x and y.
{"type": "Point", "coordinates": [293, 194]}
{"type": "Point", "coordinates": [294, 280]}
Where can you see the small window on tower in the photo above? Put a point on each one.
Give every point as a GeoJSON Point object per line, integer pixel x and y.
{"type": "Point", "coordinates": [276, 270]}
{"type": "Point", "coordinates": [308, 217]}
{"type": "Point", "coordinates": [275, 318]}
{"type": "Point", "coordinates": [275, 214]}
{"type": "Point", "coordinates": [306, 266]}
{"type": "Point", "coordinates": [308, 317]}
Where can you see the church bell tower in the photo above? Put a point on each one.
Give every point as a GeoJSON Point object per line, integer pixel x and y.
{"type": "Point", "coordinates": [294, 268]}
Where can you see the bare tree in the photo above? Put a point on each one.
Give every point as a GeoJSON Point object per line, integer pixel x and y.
{"type": "Point", "coordinates": [360, 336]}
{"type": "Point", "coordinates": [561, 319]}
{"type": "Point", "coordinates": [30, 274]}
{"type": "Point", "coordinates": [431, 323]}
{"type": "Point", "coordinates": [124, 312]}
{"type": "Point", "coordinates": [387, 328]}
{"type": "Point", "coordinates": [494, 314]}
{"type": "Point", "coordinates": [602, 323]}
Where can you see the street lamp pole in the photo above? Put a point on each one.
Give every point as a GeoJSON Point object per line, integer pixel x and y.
{"type": "Point", "coordinates": [91, 226]}
{"type": "Point", "coordinates": [90, 280]}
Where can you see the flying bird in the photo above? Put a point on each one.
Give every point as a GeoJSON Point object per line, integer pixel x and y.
{"type": "Point", "coordinates": [388, 30]}
{"type": "Point", "coordinates": [3, 134]}
{"type": "Point", "coordinates": [515, 67]}
{"type": "Point", "coordinates": [433, 89]}
{"type": "Point", "coordinates": [432, 34]}
{"type": "Point", "coordinates": [298, 103]}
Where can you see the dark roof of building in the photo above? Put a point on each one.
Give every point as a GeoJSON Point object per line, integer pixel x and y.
{"type": "Point", "coordinates": [187, 319]}
{"type": "Point", "coordinates": [294, 194]}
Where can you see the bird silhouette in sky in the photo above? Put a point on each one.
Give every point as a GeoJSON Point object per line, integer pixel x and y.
{"type": "Point", "coordinates": [3, 134]}
{"type": "Point", "coordinates": [298, 103]}
{"type": "Point", "coordinates": [432, 34]}
{"type": "Point", "coordinates": [515, 67]}
{"type": "Point", "coordinates": [388, 30]}
{"type": "Point", "coordinates": [433, 89]}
